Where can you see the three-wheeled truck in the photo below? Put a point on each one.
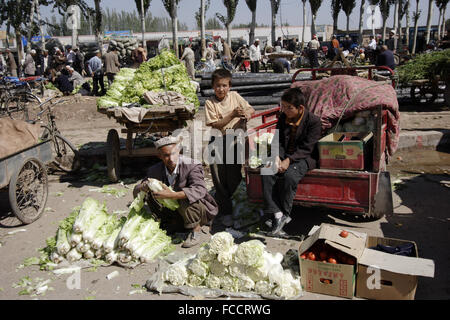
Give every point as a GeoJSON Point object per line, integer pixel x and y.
{"type": "Point", "coordinates": [365, 192]}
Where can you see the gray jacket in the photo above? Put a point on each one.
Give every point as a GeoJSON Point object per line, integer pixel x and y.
{"type": "Point", "coordinates": [190, 179]}
{"type": "Point", "coordinates": [30, 67]}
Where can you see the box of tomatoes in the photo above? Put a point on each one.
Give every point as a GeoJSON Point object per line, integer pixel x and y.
{"type": "Point", "coordinates": [329, 260]}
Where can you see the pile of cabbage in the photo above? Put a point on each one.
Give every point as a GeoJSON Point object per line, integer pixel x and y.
{"type": "Point", "coordinates": [247, 267]}
{"type": "Point", "coordinates": [262, 149]}
{"type": "Point", "coordinates": [91, 233]}
{"type": "Point", "coordinates": [113, 96]}
{"type": "Point", "coordinates": [162, 72]}
{"type": "Point", "coordinates": [363, 121]}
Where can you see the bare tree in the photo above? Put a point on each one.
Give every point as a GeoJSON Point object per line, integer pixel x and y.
{"type": "Point", "coordinates": [304, 23]}
{"type": "Point", "coordinates": [336, 6]}
{"type": "Point", "coordinates": [275, 6]}
{"type": "Point", "coordinates": [396, 21]}
{"type": "Point", "coordinates": [407, 17]}
{"type": "Point", "coordinates": [385, 8]}
{"type": "Point", "coordinates": [416, 17]}
{"type": "Point", "coordinates": [231, 12]}
{"type": "Point", "coordinates": [251, 4]}
{"type": "Point", "coordinates": [430, 14]}
{"type": "Point", "coordinates": [347, 7]}
{"type": "Point", "coordinates": [361, 21]}
{"type": "Point", "coordinates": [30, 25]}
{"type": "Point", "coordinates": [171, 7]}
{"type": "Point", "coordinates": [315, 5]}
{"type": "Point", "coordinates": [142, 8]}
{"type": "Point", "coordinates": [441, 5]}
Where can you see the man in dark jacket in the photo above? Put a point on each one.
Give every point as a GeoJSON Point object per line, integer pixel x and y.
{"type": "Point", "coordinates": [299, 130]}
{"type": "Point", "coordinates": [186, 177]}
{"type": "Point", "coordinates": [386, 58]}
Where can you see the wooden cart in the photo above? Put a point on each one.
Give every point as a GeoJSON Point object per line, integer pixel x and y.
{"type": "Point", "coordinates": [158, 119]}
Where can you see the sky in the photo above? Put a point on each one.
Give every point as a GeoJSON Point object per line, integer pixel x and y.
{"type": "Point", "coordinates": [290, 12]}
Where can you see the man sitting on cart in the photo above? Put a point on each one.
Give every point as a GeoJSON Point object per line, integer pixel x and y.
{"type": "Point", "coordinates": [299, 130]}
{"type": "Point", "coordinates": [186, 177]}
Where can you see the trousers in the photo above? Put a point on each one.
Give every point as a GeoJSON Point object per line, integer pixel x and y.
{"type": "Point", "coordinates": [279, 189]}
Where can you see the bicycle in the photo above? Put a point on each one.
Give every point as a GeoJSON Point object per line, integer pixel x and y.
{"type": "Point", "coordinates": [14, 99]}
{"type": "Point", "coordinates": [65, 155]}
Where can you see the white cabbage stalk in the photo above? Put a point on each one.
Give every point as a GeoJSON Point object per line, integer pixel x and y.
{"type": "Point", "coordinates": [204, 254]}
{"type": "Point", "coordinates": [79, 246]}
{"type": "Point", "coordinates": [85, 247]}
{"type": "Point", "coordinates": [129, 227]}
{"type": "Point", "coordinates": [124, 257]}
{"type": "Point", "coordinates": [159, 245]}
{"type": "Point", "coordinates": [221, 241]}
{"type": "Point", "coordinates": [111, 257]}
{"type": "Point", "coordinates": [139, 250]}
{"type": "Point", "coordinates": [238, 270]}
{"type": "Point", "coordinates": [62, 243]}
{"type": "Point", "coordinates": [55, 257]}
{"type": "Point", "coordinates": [264, 287]}
{"type": "Point", "coordinates": [176, 274]}
{"type": "Point", "coordinates": [75, 238]}
{"type": "Point", "coordinates": [94, 225]}
{"type": "Point", "coordinates": [156, 186]}
{"type": "Point", "coordinates": [217, 268]}
{"type": "Point", "coordinates": [89, 208]}
{"type": "Point", "coordinates": [245, 284]}
{"type": "Point", "coordinates": [212, 281]}
{"type": "Point", "coordinates": [138, 202]}
{"type": "Point", "coordinates": [226, 257]}
{"type": "Point", "coordinates": [250, 253]}
{"type": "Point", "coordinates": [199, 268]}
{"type": "Point", "coordinates": [195, 281]}
{"type": "Point", "coordinates": [287, 286]}
{"type": "Point", "coordinates": [228, 283]}
{"type": "Point", "coordinates": [99, 253]}
{"type": "Point", "coordinates": [74, 255]}
{"type": "Point", "coordinates": [112, 240]}
{"type": "Point", "coordinates": [89, 254]}
{"type": "Point", "coordinates": [104, 232]}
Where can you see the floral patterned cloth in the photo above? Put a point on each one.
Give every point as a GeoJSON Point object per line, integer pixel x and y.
{"type": "Point", "coordinates": [328, 97]}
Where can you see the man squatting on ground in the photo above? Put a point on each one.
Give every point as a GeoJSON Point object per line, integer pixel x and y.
{"type": "Point", "coordinates": [186, 177]}
{"type": "Point", "coordinates": [299, 130]}
{"type": "Point", "coordinates": [226, 110]}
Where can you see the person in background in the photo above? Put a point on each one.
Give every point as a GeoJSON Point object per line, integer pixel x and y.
{"type": "Point", "coordinates": [62, 82]}
{"type": "Point", "coordinates": [30, 65]}
{"type": "Point", "coordinates": [372, 43]}
{"type": "Point", "coordinates": [278, 43]}
{"type": "Point", "coordinates": [74, 77]}
{"type": "Point", "coordinates": [335, 44]}
{"type": "Point", "coordinates": [347, 44]}
{"type": "Point", "coordinates": [241, 56]}
{"type": "Point", "coordinates": [386, 58]}
{"type": "Point", "coordinates": [189, 58]}
{"type": "Point", "coordinates": [293, 45]}
{"type": "Point", "coordinates": [58, 60]}
{"type": "Point", "coordinates": [78, 62]}
{"type": "Point", "coordinates": [314, 46]}
{"type": "Point", "coordinates": [255, 56]}
{"type": "Point", "coordinates": [95, 68]}
{"type": "Point", "coordinates": [390, 42]}
{"type": "Point", "coordinates": [280, 64]}
{"type": "Point", "coordinates": [212, 53]}
{"type": "Point", "coordinates": [111, 65]}
{"type": "Point", "coordinates": [70, 57]}
{"type": "Point", "coordinates": [226, 110]}
{"type": "Point", "coordinates": [227, 53]}
{"type": "Point", "coordinates": [185, 176]}
{"type": "Point", "coordinates": [44, 61]}
{"type": "Point", "coordinates": [138, 56]}
{"type": "Point", "coordinates": [11, 63]}
{"type": "Point", "coordinates": [299, 130]}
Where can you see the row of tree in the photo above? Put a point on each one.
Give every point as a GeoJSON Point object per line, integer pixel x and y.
{"type": "Point", "coordinates": [24, 16]}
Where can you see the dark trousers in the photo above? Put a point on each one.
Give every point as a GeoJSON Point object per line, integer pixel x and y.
{"type": "Point", "coordinates": [226, 179]}
{"type": "Point", "coordinates": [254, 66]}
{"type": "Point", "coordinates": [188, 216]}
{"type": "Point", "coordinates": [279, 189]}
{"type": "Point", "coordinates": [313, 59]}
{"type": "Point", "coordinates": [98, 80]}
{"type": "Point", "coordinates": [110, 77]}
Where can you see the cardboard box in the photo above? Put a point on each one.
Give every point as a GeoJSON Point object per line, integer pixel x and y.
{"type": "Point", "coordinates": [327, 278]}
{"type": "Point", "coordinates": [343, 150]}
{"type": "Point", "coordinates": [384, 276]}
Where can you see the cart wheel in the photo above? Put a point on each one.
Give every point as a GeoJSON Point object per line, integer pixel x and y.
{"type": "Point", "coordinates": [28, 190]}
{"type": "Point", "coordinates": [16, 109]}
{"type": "Point", "coordinates": [112, 155]}
{"type": "Point", "coordinates": [422, 94]}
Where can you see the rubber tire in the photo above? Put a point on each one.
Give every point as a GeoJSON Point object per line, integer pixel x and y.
{"type": "Point", "coordinates": [112, 155]}
{"type": "Point", "coordinates": [20, 105]}
{"type": "Point", "coordinates": [76, 164]}
{"type": "Point", "coordinates": [12, 193]}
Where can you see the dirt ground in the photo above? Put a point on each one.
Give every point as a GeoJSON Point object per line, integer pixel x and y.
{"type": "Point", "coordinates": [420, 180]}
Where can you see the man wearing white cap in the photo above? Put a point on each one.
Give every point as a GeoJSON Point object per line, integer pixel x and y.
{"type": "Point", "coordinates": [255, 56]}
{"type": "Point", "coordinates": [186, 178]}
{"type": "Point", "coordinates": [29, 65]}
{"type": "Point", "coordinates": [314, 46]}
{"type": "Point", "coordinates": [74, 77]}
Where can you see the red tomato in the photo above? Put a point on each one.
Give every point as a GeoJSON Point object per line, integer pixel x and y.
{"type": "Point", "coordinates": [312, 256]}
{"type": "Point", "coordinates": [344, 234]}
{"type": "Point", "coordinates": [303, 256]}
{"type": "Point", "coordinates": [332, 260]}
